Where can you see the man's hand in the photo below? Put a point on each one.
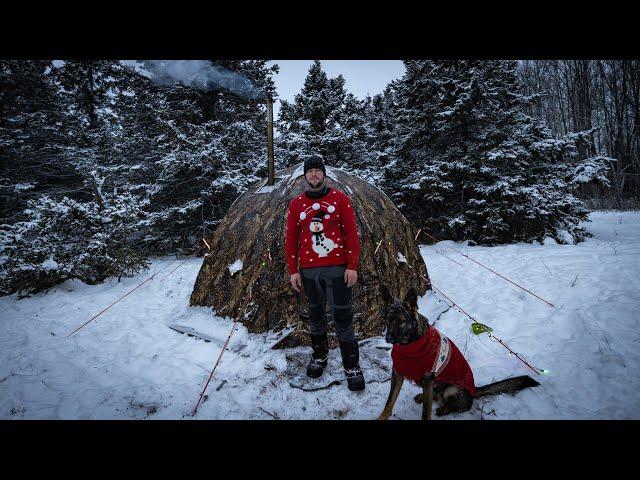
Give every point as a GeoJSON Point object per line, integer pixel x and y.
{"type": "Point", "coordinates": [350, 277]}
{"type": "Point", "coordinates": [296, 282]}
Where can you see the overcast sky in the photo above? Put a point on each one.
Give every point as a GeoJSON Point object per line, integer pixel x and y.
{"type": "Point", "coordinates": [362, 76]}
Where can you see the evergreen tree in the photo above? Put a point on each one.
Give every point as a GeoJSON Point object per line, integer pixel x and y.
{"type": "Point", "coordinates": [175, 156]}
{"type": "Point", "coordinates": [306, 125]}
{"type": "Point", "coordinates": [33, 138]}
{"type": "Point", "coordinates": [212, 147]}
{"type": "Point", "coordinates": [186, 154]}
{"type": "Point", "coordinates": [57, 127]}
{"type": "Point", "coordinates": [469, 164]}
{"type": "Point", "coordinates": [380, 148]}
{"type": "Point", "coordinates": [326, 120]}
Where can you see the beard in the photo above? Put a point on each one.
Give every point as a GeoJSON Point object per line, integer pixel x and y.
{"type": "Point", "coordinates": [315, 183]}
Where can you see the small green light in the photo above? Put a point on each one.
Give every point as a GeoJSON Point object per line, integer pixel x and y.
{"type": "Point", "coordinates": [264, 263]}
{"type": "Point", "coordinates": [478, 328]}
{"type": "Point", "coordinates": [545, 371]}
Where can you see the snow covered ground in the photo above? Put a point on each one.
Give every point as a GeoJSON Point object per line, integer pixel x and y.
{"type": "Point", "coordinates": [128, 364]}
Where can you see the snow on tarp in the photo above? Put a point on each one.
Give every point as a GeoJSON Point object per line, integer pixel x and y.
{"type": "Point", "coordinates": [267, 188]}
{"type": "Point", "coordinates": [200, 326]}
{"type": "Point", "coordinates": [235, 267]}
{"type": "Point", "coordinates": [299, 171]}
{"type": "Point", "coordinates": [264, 188]}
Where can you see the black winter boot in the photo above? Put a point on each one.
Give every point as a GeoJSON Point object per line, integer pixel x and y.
{"type": "Point", "coordinates": [319, 356]}
{"type": "Point", "coordinates": [350, 362]}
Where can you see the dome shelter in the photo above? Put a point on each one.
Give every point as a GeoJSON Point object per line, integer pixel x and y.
{"type": "Point", "coordinates": [245, 274]}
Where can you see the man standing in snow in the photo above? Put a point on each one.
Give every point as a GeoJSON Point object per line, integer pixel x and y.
{"type": "Point", "coordinates": [322, 237]}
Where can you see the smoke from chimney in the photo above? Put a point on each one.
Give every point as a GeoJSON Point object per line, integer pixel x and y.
{"type": "Point", "coordinates": [203, 75]}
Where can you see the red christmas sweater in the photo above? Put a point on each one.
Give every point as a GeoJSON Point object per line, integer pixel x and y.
{"type": "Point", "coordinates": [321, 232]}
{"type": "Point", "coordinates": [433, 353]}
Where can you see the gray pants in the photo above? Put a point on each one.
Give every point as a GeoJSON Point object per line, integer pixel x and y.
{"type": "Point", "coordinates": [327, 283]}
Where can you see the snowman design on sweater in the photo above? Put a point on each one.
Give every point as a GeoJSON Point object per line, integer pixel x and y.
{"type": "Point", "coordinates": [321, 232]}
{"type": "Point", "coordinates": [321, 245]}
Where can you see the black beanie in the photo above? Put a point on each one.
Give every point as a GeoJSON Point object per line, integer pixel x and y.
{"type": "Point", "coordinates": [314, 161]}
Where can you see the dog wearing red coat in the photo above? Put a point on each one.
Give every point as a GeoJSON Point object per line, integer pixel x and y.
{"type": "Point", "coordinates": [427, 357]}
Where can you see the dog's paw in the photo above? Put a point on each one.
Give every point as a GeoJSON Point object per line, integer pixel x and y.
{"type": "Point", "coordinates": [442, 411]}
{"type": "Point", "coordinates": [383, 417]}
{"type": "Point", "coordinates": [418, 398]}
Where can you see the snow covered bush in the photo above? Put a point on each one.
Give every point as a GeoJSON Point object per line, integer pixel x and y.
{"type": "Point", "coordinates": [65, 239]}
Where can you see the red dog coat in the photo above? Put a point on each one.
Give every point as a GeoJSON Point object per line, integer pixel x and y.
{"type": "Point", "coordinates": [433, 353]}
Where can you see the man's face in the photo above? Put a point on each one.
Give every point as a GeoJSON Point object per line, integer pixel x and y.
{"type": "Point", "coordinates": [314, 177]}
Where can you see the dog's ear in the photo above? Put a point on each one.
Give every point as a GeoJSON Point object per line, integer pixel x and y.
{"type": "Point", "coordinates": [411, 299]}
{"type": "Point", "coordinates": [387, 298]}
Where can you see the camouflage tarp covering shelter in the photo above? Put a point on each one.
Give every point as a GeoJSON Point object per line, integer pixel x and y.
{"type": "Point", "coordinates": [245, 273]}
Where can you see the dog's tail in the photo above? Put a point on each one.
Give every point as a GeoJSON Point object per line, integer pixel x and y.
{"type": "Point", "coordinates": [510, 385]}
